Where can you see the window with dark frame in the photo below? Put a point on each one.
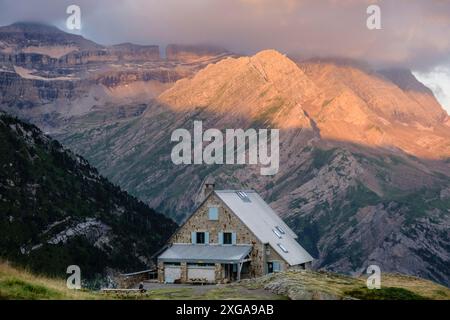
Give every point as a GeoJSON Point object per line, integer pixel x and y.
{"type": "Point", "coordinates": [227, 238]}
{"type": "Point", "coordinates": [200, 238]}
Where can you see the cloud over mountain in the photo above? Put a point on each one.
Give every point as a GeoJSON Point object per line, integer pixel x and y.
{"type": "Point", "coordinates": [413, 35]}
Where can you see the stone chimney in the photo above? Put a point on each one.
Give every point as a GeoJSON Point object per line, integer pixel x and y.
{"type": "Point", "coordinates": [207, 188]}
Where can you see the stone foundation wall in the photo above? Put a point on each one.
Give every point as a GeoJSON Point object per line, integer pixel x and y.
{"type": "Point", "coordinates": [160, 271]}
{"type": "Point", "coordinates": [218, 273]}
{"type": "Point", "coordinates": [184, 275]}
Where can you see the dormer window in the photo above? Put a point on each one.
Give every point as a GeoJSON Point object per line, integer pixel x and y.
{"type": "Point", "coordinates": [283, 248]}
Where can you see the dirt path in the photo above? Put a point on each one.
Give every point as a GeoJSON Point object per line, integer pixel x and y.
{"type": "Point", "coordinates": [194, 292]}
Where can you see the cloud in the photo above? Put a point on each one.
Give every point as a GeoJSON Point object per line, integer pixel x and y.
{"type": "Point", "coordinates": [414, 32]}
{"type": "Point", "coordinates": [438, 80]}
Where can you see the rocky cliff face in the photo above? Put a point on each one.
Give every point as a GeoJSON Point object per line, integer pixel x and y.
{"type": "Point", "coordinates": [133, 52]}
{"type": "Point", "coordinates": [43, 66]}
{"type": "Point", "coordinates": [190, 53]}
{"type": "Point", "coordinates": [56, 210]}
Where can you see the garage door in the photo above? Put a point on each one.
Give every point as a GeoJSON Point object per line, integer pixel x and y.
{"type": "Point", "coordinates": [172, 273]}
{"type": "Point", "coordinates": [201, 273]}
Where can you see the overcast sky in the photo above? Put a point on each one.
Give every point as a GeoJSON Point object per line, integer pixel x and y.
{"type": "Point", "coordinates": [414, 34]}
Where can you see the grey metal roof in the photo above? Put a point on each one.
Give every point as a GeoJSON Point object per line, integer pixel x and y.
{"type": "Point", "coordinates": [204, 253]}
{"type": "Point", "coordinates": [260, 218]}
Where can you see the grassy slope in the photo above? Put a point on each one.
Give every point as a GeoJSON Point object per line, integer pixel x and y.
{"type": "Point", "coordinates": [326, 285]}
{"type": "Point", "coordinates": [19, 284]}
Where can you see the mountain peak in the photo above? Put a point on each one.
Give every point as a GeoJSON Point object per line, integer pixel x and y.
{"type": "Point", "coordinates": [31, 27]}
{"type": "Point", "coordinates": [277, 67]}
{"type": "Point", "coordinates": [267, 88]}
{"type": "Point", "coordinates": [275, 61]}
{"type": "Point", "coordinates": [20, 35]}
{"type": "Point", "coordinates": [269, 54]}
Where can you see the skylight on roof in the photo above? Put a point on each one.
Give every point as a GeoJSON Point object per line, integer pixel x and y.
{"type": "Point", "coordinates": [283, 248]}
{"type": "Point", "coordinates": [280, 229]}
{"type": "Point", "coordinates": [278, 234]}
{"type": "Point", "coordinates": [244, 197]}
